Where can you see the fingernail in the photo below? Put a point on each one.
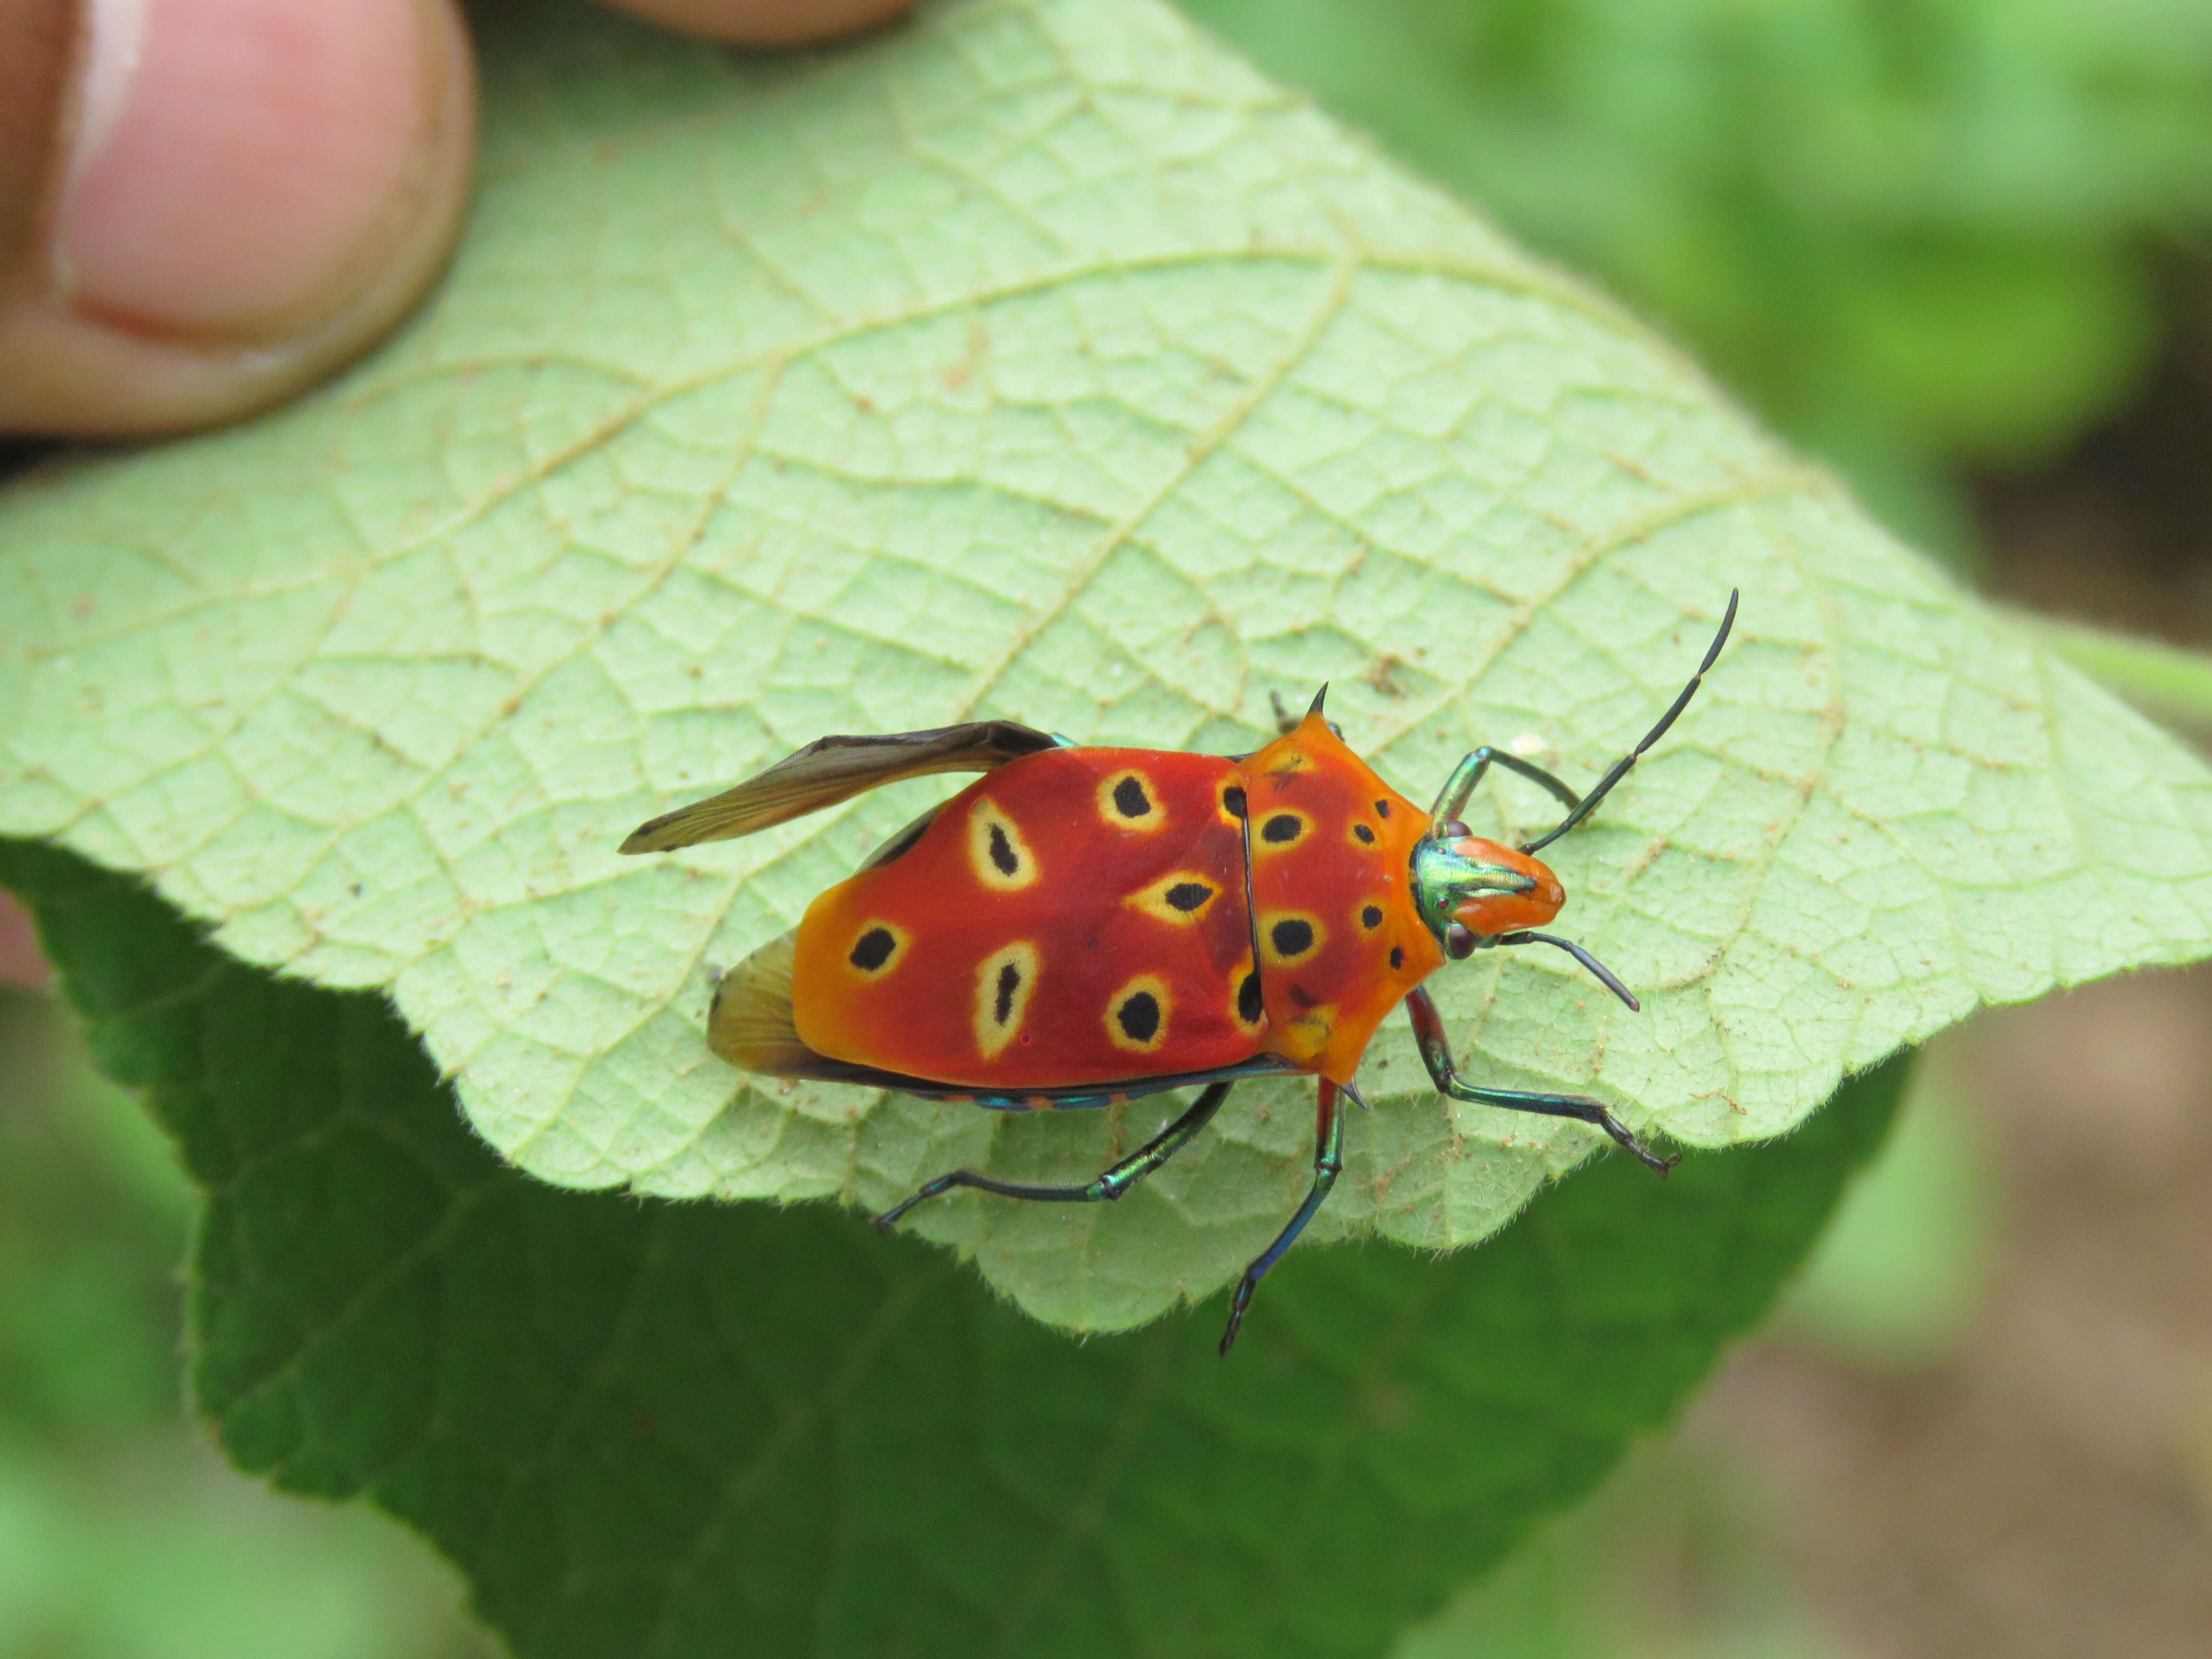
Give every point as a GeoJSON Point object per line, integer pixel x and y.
{"type": "Point", "coordinates": [233, 158]}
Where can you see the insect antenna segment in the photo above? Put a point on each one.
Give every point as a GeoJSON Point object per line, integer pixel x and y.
{"type": "Point", "coordinates": [1621, 767]}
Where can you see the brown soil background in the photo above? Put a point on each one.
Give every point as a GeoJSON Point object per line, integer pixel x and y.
{"type": "Point", "coordinates": [2045, 1491]}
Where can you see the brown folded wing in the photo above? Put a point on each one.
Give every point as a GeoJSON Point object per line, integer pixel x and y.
{"type": "Point", "coordinates": [831, 769]}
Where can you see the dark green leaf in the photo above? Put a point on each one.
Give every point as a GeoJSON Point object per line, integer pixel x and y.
{"type": "Point", "coordinates": [689, 1429]}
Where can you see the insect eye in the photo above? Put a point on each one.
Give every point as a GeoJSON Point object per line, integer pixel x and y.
{"type": "Point", "coordinates": [1459, 941]}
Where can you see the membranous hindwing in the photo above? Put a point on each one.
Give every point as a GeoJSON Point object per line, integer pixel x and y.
{"type": "Point", "coordinates": [1078, 915]}
{"type": "Point", "coordinates": [1340, 940]}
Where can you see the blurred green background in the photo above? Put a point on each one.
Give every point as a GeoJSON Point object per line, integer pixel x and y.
{"type": "Point", "coordinates": [123, 1536]}
{"type": "Point", "coordinates": [1957, 249]}
{"type": "Point", "coordinates": [1915, 235]}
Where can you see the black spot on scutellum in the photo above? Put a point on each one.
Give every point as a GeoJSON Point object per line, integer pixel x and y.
{"type": "Point", "coordinates": [1130, 800]}
{"type": "Point", "coordinates": [999, 855]}
{"type": "Point", "coordinates": [1282, 828]}
{"type": "Point", "coordinates": [1371, 917]}
{"type": "Point", "coordinates": [1004, 980]}
{"type": "Point", "coordinates": [873, 949]}
{"type": "Point", "coordinates": [1138, 1016]}
{"type": "Point", "coordinates": [1362, 834]}
{"type": "Point", "coordinates": [1291, 937]}
{"type": "Point", "coordinates": [1397, 956]}
{"type": "Point", "coordinates": [1189, 895]}
{"type": "Point", "coordinates": [1250, 1005]}
{"type": "Point", "coordinates": [1232, 801]}
{"type": "Point", "coordinates": [1382, 809]}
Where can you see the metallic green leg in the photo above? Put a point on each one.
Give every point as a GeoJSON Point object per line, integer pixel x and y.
{"type": "Point", "coordinates": [1105, 1189]}
{"type": "Point", "coordinates": [1328, 1163]}
{"type": "Point", "coordinates": [1435, 1054]}
{"type": "Point", "coordinates": [1452, 799]}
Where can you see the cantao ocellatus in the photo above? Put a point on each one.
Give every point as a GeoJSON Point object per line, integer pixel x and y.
{"type": "Point", "coordinates": [1084, 924]}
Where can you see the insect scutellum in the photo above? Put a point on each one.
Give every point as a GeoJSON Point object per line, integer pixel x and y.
{"type": "Point", "coordinates": [1473, 894]}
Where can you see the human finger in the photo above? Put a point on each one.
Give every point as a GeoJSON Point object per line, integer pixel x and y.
{"type": "Point", "coordinates": [206, 205]}
{"type": "Point", "coordinates": [768, 22]}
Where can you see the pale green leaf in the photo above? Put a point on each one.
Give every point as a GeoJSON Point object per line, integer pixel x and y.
{"type": "Point", "coordinates": [1039, 360]}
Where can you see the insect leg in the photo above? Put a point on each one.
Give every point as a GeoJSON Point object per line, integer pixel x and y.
{"type": "Point", "coordinates": [1328, 1163]}
{"type": "Point", "coordinates": [1435, 1054]}
{"type": "Point", "coordinates": [1452, 799]}
{"type": "Point", "coordinates": [1107, 1188]}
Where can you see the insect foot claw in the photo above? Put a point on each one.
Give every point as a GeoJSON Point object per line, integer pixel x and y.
{"type": "Point", "coordinates": [1628, 1143]}
{"type": "Point", "coordinates": [890, 1217]}
{"type": "Point", "coordinates": [1236, 1306]}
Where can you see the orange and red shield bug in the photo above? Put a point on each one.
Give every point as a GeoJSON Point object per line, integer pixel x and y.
{"type": "Point", "coordinates": [1081, 925]}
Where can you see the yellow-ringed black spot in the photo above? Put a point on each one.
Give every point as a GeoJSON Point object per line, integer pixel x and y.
{"type": "Point", "coordinates": [1126, 800]}
{"type": "Point", "coordinates": [1005, 980]}
{"type": "Point", "coordinates": [1371, 916]}
{"type": "Point", "coordinates": [1279, 831]}
{"type": "Point", "coordinates": [1251, 1006]}
{"type": "Point", "coordinates": [1179, 898]}
{"type": "Point", "coordinates": [1290, 936]}
{"type": "Point", "coordinates": [877, 948]}
{"type": "Point", "coordinates": [997, 853]}
{"type": "Point", "coordinates": [1362, 834]}
{"type": "Point", "coordinates": [1382, 809]}
{"type": "Point", "coordinates": [1232, 802]}
{"type": "Point", "coordinates": [1136, 1014]}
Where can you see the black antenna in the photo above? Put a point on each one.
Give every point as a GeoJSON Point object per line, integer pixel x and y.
{"type": "Point", "coordinates": [1603, 974]}
{"type": "Point", "coordinates": [1620, 768]}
